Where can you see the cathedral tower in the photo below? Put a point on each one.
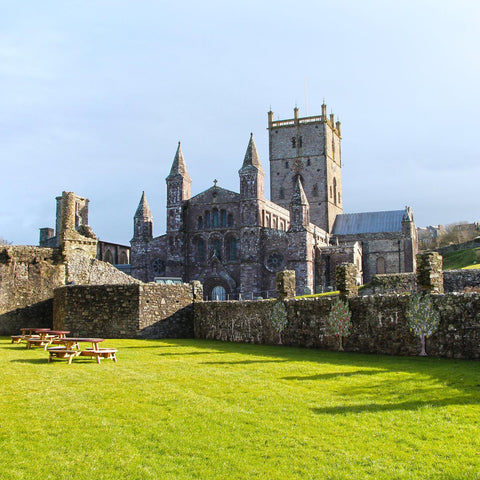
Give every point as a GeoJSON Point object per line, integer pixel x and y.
{"type": "Point", "coordinates": [308, 148]}
{"type": "Point", "coordinates": [252, 199]}
{"type": "Point", "coordinates": [179, 186]}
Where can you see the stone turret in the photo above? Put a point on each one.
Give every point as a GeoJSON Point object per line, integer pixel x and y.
{"type": "Point", "coordinates": [299, 208]}
{"type": "Point", "coordinates": [179, 186]}
{"type": "Point", "coordinates": [143, 221]}
{"type": "Point", "coordinates": [252, 185]}
{"type": "Point", "coordinates": [252, 175]}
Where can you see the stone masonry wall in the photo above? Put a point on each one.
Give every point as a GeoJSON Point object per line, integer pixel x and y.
{"type": "Point", "coordinates": [379, 324]}
{"type": "Point", "coordinates": [390, 284]}
{"type": "Point", "coordinates": [458, 280]}
{"type": "Point", "coordinates": [126, 311]}
{"type": "Point", "coordinates": [29, 275]}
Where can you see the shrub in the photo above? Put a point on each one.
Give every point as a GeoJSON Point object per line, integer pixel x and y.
{"type": "Point", "coordinates": [422, 318]}
{"type": "Point", "coordinates": [338, 321]}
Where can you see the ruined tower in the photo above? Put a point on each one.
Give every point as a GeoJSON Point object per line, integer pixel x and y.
{"type": "Point", "coordinates": [307, 147]}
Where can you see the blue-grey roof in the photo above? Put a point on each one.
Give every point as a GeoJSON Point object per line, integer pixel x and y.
{"type": "Point", "coordinates": [368, 222]}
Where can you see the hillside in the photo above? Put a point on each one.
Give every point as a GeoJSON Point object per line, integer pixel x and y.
{"type": "Point", "coordinates": [467, 258]}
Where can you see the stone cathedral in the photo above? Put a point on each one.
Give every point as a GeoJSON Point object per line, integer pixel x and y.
{"type": "Point", "coordinates": [234, 243]}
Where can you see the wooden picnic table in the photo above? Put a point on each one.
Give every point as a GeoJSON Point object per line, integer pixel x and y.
{"type": "Point", "coordinates": [43, 338]}
{"type": "Point", "coordinates": [71, 349]}
{"type": "Point", "coordinates": [29, 332]}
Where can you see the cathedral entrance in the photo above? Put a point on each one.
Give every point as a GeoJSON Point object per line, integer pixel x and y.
{"type": "Point", "coordinates": [219, 293]}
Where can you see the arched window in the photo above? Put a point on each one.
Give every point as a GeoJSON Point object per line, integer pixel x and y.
{"type": "Point", "coordinates": [123, 258]}
{"type": "Point", "coordinates": [335, 190]}
{"type": "Point", "coordinates": [200, 250]}
{"type": "Point", "coordinates": [294, 142]}
{"type": "Point", "coordinates": [215, 217]}
{"type": "Point", "coordinates": [200, 223]}
{"type": "Point", "coordinates": [219, 293]}
{"type": "Point", "coordinates": [223, 218]}
{"type": "Point", "coordinates": [232, 248]}
{"type": "Point", "coordinates": [315, 190]}
{"type": "Point", "coordinates": [282, 193]}
{"type": "Point", "coordinates": [107, 256]}
{"type": "Point", "coordinates": [217, 248]}
{"type": "Point", "coordinates": [381, 266]}
{"type": "Point", "coordinates": [230, 220]}
{"type": "Point", "coordinates": [207, 219]}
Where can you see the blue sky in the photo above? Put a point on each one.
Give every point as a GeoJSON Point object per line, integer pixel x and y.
{"type": "Point", "coordinates": [95, 95]}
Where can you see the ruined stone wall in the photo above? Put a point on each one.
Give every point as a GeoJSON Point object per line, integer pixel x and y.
{"type": "Point", "coordinates": [126, 311]}
{"type": "Point", "coordinates": [29, 275]}
{"type": "Point", "coordinates": [458, 280]}
{"type": "Point", "coordinates": [379, 324]}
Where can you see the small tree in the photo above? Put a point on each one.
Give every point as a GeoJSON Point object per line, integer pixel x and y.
{"type": "Point", "coordinates": [279, 319]}
{"type": "Point", "coordinates": [338, 321]}
{"type": "Point", "coordinates": [422, 318]}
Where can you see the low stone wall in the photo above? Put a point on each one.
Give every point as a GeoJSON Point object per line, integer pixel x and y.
{"type": "Point", "coordinates": [125, 311]}
{"type": "Point", "coordinates": [379, 324]}
{"type": "Point", "coordinates": [458, 280]}
{"type": "Point", "coordinates": [394, 283]}
{"type": "Point", "coordinates": [398, 283]}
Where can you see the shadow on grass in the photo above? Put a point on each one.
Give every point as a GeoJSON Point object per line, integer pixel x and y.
{"type": "Point", "coordinates": [326, 376]}
{"type": "Point", "coordinates": [181, 354]}
{"type": "Point", "coordinates": [244, 362]}
{"type": "Point", "coordinates": [385, 407]}
{"type": "Point", "coordinates": [30, 360]}
{"type": "Point", "coordinates": [445, 373]}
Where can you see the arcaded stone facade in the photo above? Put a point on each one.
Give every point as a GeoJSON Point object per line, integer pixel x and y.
{"type": "Point", "coordinates": [235, 243]}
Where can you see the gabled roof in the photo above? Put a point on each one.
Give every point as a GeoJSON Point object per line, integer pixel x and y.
{"type": "Point", "coordinates": [368, 222]}
{"type": "Point", "coordinates": [221, 195]}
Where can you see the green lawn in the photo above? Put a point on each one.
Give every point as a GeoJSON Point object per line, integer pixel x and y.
{"type": "Point", "coordinates": [467, 258]}
{"type": "Point", "coordinates": [210, 410]}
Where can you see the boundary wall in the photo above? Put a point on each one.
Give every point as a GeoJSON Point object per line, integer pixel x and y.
{"type": "Point", "coordinates": [379, 324]}
{"type": "Point", "coordinates": [126, 311]}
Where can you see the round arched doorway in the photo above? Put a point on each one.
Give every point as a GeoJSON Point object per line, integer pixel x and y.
{"type": "Point", "coordinates": [219, 293]}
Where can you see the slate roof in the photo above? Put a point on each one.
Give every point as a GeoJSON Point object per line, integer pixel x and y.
{"type": "Point", "coordinates": [368, 222]}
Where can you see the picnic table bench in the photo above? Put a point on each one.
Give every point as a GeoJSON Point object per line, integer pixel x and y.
{"type": "Point", "coordinates": [70, 349]}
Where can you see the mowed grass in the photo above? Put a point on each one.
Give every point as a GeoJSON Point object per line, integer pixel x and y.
{"type": "Point", "coordinates": [193, 409]}
{"type": "Point", "coordinates": [467, 258]}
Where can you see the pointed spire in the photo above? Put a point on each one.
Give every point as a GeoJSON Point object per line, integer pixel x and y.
{"type": "Point", "coordinates": [143, 209]}
{"type": "Point", "coordinates": [251, 155]}
{"type": "Point", "coordinates": [299, 208]}
{"type": "Point", "coordinates": [179, 166]}
{"type": "Point", "coordinates": [299, 197]}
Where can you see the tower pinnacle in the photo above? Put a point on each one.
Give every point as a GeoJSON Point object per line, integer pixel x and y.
{"type": "Point", "coordinates": [179, 167]}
